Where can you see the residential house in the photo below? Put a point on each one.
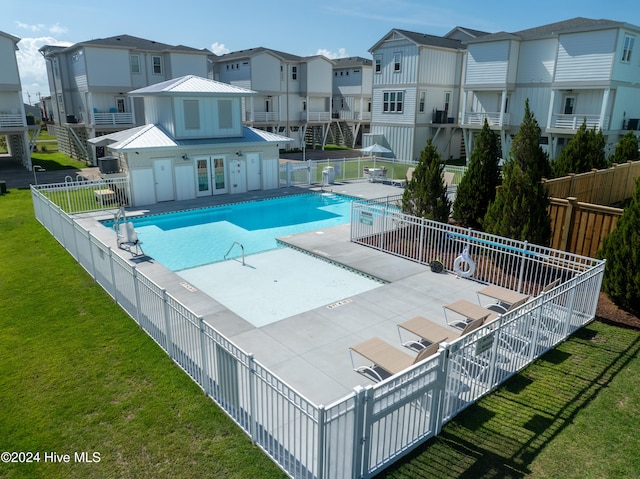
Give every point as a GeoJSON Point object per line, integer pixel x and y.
{"type": "Point", "coordinates": [293, 94]}
{"type": "Point", "coordinates": [13, 122]}
{"type": "Point", "coordinates": [351, 104]}
{"type": "Point", "coordinates": [571, 71]}
{"type": "Point", "coordinates": [193, 143]}
{"type": "Point", "coordinates": [416, 90]}
{"type": "Point", "coordinates": [89, 82]}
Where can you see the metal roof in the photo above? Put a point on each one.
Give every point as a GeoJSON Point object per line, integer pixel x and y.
{"type": "Point", "coordinates": [155, 137]}
{"type": "Point", "coordinates": [192, 85]}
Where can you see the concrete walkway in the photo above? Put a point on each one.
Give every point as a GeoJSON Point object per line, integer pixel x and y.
{"type": "Point", "coordinates": [310, 350]}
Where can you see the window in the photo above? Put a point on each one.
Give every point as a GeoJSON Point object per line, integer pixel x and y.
{"type": "Point", "coordinates": [378, 60]}
{"type": "Point", "coordinates": [294, 73]}
{"type": "Point", "coordinates": [392, 101]}
{"type": "Point", "coordinates": [627, 48]}
{"type": "Point", "coordinates": [423, 97]}
{"type": "Point", "coordinates": [569, 104]}
{"type": "Point", "coordinates": [225, 114]}
{"type": "Point", "coordinates": [397, 62]}
{"type": "Point", "coordinates": [447, 100]}
{"type": "Point", "coordinates": [157, 65]}
{"type": "Point", "coordinates": [191, 114]}
{"type": "Point", "coordinates": [134, 61]}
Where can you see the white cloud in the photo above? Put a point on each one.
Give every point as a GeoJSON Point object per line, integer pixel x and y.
{"type": "Point", "coordinates": [55, 29]}
{"type": "Point", "coordinates": [219, 48]}
{"type": "Point", "coordinates": [341, 53]}
{"type": "Point", "coordinates": [32, 68]}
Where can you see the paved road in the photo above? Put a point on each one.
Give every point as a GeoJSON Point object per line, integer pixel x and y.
{"type": "Point", "coordinates": [17, 176]}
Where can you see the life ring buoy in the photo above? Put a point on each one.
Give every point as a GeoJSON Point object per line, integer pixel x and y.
{"type": "Point", "coordinates": [464, 259]}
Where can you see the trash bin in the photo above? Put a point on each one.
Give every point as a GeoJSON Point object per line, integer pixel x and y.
{"type": "Point", "coordinates": [3, 187]}
{"type": "Point", "coordinates": [328, 175]}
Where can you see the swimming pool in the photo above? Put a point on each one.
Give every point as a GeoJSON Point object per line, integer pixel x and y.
{"type": "Point", "coordinates": [187, 239]}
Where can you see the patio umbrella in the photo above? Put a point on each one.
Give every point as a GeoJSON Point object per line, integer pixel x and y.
{"type": "Point", "coordinates": [375, 148]}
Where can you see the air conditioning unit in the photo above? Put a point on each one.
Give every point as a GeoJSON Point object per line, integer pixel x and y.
{"type": "Point", "coordinates": [108, 164]}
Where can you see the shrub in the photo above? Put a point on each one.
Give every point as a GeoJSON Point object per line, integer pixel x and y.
{"type": "Point", "coordinates": [621, 249]}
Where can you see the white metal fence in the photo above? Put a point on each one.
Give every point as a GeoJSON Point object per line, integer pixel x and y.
{"type": "Point", "coordinates": [345, 169]}
{"type": "Point", "coordinates": [376, 425]}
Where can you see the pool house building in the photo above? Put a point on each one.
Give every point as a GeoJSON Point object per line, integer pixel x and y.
{"type": "Point", "coordinates": [193, 144]}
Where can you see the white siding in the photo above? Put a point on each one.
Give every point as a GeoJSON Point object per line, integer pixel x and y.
{"type": "Point", "coordinates": [439, 67]}
{"type": "Point", "coordinates": [399, 139]}
{"type": "Point", "coordinates": [487, 63]}
{"type": "Point", "coordinates": [107, 67]}
{"type": "Point", "coordinates": [265, 73]}
{"type": "Point", "coordinates": [181, 64]}
{"type": "Point", "coordinates": [584, 57]}
{"type": "Point", "coordinates": [319, 77]}
{"type": "Point", "coordinates": [536, 61]}
{"type": "Point", "coordinates": [9, 71]}
{"type": "Point", "coordinates": [627, 71]}
{"type": "Point", "coordinates": [409, 60]}
{"type": "Point", "coordinates": [627, 105]}
{"type": "Point", "coordinates": [210, 126]}
{"type": "Point", "coordinates": [409, 106]}
{"type": "Point", "coordinates": [539, 98]}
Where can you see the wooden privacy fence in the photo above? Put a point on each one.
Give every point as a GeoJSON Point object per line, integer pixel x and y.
{"type": "Point", "coordinates": [601, 187]}
{"type": "Point", "coordinates": [579, 227]}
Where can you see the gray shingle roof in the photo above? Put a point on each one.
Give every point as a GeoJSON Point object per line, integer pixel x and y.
{"type": "Point", "coordinates": [430, 40]}
{"type": "Point", "coordinates": [134, 43]}
{"type": "Point", "coordinates": [576, 24]}
{"type": "Point", "coordinates": [254, 51]}
{"type": "Point", "coordinates": [351, 62]}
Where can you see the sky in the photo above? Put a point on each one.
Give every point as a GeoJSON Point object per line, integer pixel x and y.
{"type": "Point", "coordinates": [334, 28]}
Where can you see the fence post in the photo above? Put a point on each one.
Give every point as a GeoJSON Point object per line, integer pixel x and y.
{"type": "Point", "coordinates": [136, 292]}
{"type": "Point", "coordinates": [572, 298]}
{"type": "Point", "coordinates": [252, 399]}
{"type": "Point", "coordinates": [321, 445]}
{"type": "Point", "coordinates": [441, 391]}
{"type": "Point", "coordinates": [113, 276]}
{"type": "Point", "coordinates": [167, 323]}
{"type": "Point", "coordinates": [567, 227]}
{"type": "Point", "coordinates": [203, 347]}
{"type": "Point", "coordinates": [522, 265]}
{"type": "Point", "coordinates": [359, 444]}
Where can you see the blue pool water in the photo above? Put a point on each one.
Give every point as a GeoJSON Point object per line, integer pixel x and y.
{"type": "Point", "coordinates": [187, 239]}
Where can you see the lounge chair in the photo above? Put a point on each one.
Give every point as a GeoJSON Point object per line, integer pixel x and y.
{"type": "Point", "coordinates": [403, 181]}
{"type": "Point", "coordinates": [386, 360]}
{"type": "Point", "coordinates": [430, 332]}
{"type": "Point", "coordinates": [127, 238]}
{"type": "Point", "coordinates": [471, 311]}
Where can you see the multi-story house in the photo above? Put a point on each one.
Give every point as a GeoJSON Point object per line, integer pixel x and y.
{"type": "Point", "coordinates": [193, 143]}
{"type": "Point", "coordinates": [416, 90]}
{"type": "Point", "coordinates": [13, 122]}
{"type": "Point", "coordinates": [351, 104]}
{"type": "Point", "coordinates": [571, 71]}
{"type": "Point", "coordinates": [89, 82]}
{"type": "Point", "coordinates": [293, 93]}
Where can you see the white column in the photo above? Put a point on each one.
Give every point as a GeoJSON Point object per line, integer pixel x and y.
{"type": "Point", "coordinates": [603, 109]}
{"type": "Point", "coordinates": [551, 103]}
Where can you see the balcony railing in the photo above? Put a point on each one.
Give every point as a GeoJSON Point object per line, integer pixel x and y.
{"type": "Point", "coordinates": [352, 115]}
{"type": "Point", "coordinates": [493, 118]}
{"type": "Point", "coordinates": [11, 120]}
{"type": "Point", "coordinates": [262, 116]}
{"type": "Point", "coordinates": [113, 118]}
{"type": "Point", "coordinates": [315, 116]}
{"type": "Point", "coordinates": [573, 122]}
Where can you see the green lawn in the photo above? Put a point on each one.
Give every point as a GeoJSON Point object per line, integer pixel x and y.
{"type": "Point", "coordinates": [79, 375]}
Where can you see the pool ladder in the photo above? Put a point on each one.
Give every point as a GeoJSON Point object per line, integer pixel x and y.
{"type": "Point", "coordinates": [231, 247]}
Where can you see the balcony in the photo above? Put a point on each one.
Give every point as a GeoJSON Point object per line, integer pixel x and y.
{"type": "Point", "coordinates": [493, 118]}
{"type": "Point", "coordinates": [112, 118]}
{"type": "Point", "coordinates": [11, 120]}
{"type": "Point", "coordinates": [316, 116]}
{"type": "Point", "coordinates": [262, 116]}
{"type": "Point", "coordinates": [573, 122]}
{"type": "Point", "coordinates": [352, 115]}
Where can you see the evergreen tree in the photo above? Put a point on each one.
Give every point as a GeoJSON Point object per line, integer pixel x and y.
{"type": "Point", "coordinates": [478, 186]}
{"type": "Point", "coordinates": [525, 148]}
{"type": "Point", "coordinates": [583, 152]}
{"type": "Point", "coordinates": [520, 209]}
{"type": "Point", "coordinates": [621, 249]}
{"type": "Point", "coordinates": [425, 194]}
{"type": "Point", "coordinates": [626, 149]}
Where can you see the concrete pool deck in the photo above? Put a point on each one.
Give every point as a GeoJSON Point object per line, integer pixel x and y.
{"type": "Point", "coordinates": [309, 350]}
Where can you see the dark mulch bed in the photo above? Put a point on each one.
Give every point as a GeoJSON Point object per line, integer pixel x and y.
{"type": "Point", "coordinates": [612, 314]}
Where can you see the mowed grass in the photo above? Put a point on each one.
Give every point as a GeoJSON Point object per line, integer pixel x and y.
{"type": "Point", "coordinates": [78, 375]}
{"type": "Point", "coordinates": [574, 413]}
